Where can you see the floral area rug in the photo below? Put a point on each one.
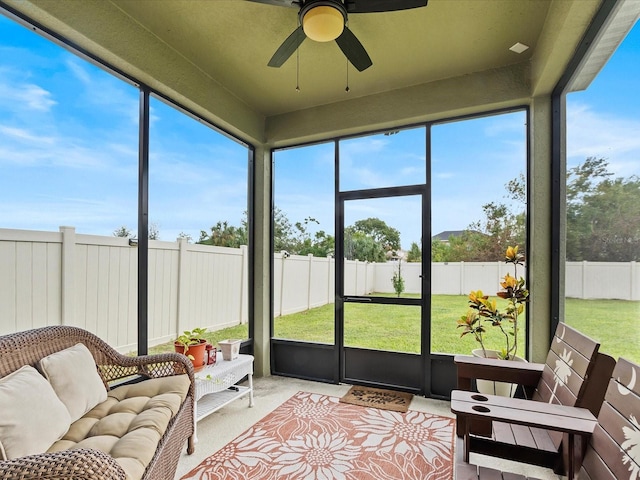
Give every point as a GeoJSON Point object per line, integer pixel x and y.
{"type": "Point", "coordinates": [378, 398]}
{"type": "Point", "coordinates": [316, 437]}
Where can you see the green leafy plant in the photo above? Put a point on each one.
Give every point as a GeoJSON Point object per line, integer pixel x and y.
{"type": "Point", "coordinates": [398, 282]}
{"type": "Point", "coordinates": [189, 338]}
{"type": "Point", "coordinates": [484, 311]}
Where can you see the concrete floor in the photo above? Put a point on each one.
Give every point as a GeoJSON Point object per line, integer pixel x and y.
{"type": "Point", "coordinates": [221, 427]}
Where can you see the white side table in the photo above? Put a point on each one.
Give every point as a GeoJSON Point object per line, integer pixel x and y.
{"type": "Point", "coordinates": [216, 385]}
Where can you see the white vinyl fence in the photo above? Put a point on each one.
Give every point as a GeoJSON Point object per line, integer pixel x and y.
{"type": "Point", "coordinates": [65, 278]}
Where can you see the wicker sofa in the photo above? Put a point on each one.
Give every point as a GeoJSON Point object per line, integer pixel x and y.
{"type": "Point", "coordinates": [137, 429]}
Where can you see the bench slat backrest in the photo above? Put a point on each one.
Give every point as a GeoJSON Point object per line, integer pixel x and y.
{"type": "Point", "coordinates": [569, 361]}
{"type": "Point", "coordinates": [614, 449]}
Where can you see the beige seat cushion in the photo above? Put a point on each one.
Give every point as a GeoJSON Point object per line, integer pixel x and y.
{"type": "Point", "coordinates": [31, 415]}
{"type": "Point", "coordinates": [74, 377]}
{"type": "Point", "coordinates": [129, 424]}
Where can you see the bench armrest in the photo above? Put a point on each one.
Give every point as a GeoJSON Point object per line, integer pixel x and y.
{"type": "Point", "coordinates": [573, 421]}
{"type": "Point", "coordinates": [80, 464]}
{"type": "Point", "coordinates": [550, 416]}
{"type": "Point", "coordinates": [471, 368]}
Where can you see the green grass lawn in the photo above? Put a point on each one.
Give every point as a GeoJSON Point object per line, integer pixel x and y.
{"type": "Point", "coordinates": [388, 327]}
{"type": "Point", "coordinates": [397, 327]}
{"type": "Point", "coordinates": [614, 323]}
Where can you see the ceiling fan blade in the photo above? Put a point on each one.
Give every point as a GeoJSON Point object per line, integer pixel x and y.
{"type": "Point", "coordinates": [370, 6]}
{"type": "Point", "coordinates": [287, 48]}
{"type": "Point", "coordinates": [353, 50]}
{"type": "Point", "coordinates": [279, 3]}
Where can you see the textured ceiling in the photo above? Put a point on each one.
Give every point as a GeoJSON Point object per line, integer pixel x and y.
{"type": "Point", "coordinates": [231, 41]}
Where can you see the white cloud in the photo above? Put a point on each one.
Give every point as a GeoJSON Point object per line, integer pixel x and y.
{"type": "Point", "coordinates": [78, 71]}
{"type": "Point", "coordinates": [36, 98]}
{"type": "Point", "coordinates": [505, 124]}
{"type": "Point", "coordinates": [25, 135]}
{"type": "Point", "coordinates": [361, 146]}
{"type": "Point", "coordinates": [98, 217]}
{"type": "Point", "coordinates": [26, 96]}
{"type": "Point", "coordinates": [595, 134]}
{"type": "Point", "coordinates": [23, 147]}
{"type": "Point", "coordinates": [445, 175]}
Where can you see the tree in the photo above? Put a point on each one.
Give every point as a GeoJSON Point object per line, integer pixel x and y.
{"type": "Point", "coordinates": [363, 247]}
{"type": "Point", "coordinates": [301, 242]}
{"type": "Point", "coordinates": [439, 251]}
{"type": "Point", "coordinates": [397, 280]}
{"type": "Point", "coordinates": [415, 253]}
{"type": "Point", "coordinates": [186, 236]}
{"type": "Point", "coordinates": [322, 245]}
{"type": "Point", "coordinates": [293, 238]}
{"type": "Point", "coordinates": [370, 240]}
{"type": "Point", "coordinates": [603, 214]}
{"type": "Point", "coordinates": [296, 238]}
{"type": "Point", "coordinates": [122, 232]}
{"type": "Point", "coordinates": [154, 231]}
{"type": "Point", "coordinates": [282, 232]}
{"type": "Point", "coordinates": [501, 225]}
{"type": "Point", "coordinates": [387, 237]}
{"type": "Point", "coordinates": [224, 235]}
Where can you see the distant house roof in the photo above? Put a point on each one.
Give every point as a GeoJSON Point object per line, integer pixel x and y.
{"type": "Point", "coordinates": [444, 236]}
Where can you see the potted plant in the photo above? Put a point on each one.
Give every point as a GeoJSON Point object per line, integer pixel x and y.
{"type": "Point", "coordinates": [484, 312]}
{"type": "Point", "coordinates": [192, 344]}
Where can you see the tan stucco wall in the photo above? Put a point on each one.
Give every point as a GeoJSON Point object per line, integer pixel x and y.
{"type": "Point", "coordinates": [539, 255]}
{"type": "Point", "coordinates": [482, 91]}
{"type": "Point", "coordinates": [262, 263]}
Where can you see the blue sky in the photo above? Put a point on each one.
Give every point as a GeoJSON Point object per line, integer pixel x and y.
{"type": "Point", "coordinates": [604, 120]}
{"type": "Point", "coordinates": [68, 153]}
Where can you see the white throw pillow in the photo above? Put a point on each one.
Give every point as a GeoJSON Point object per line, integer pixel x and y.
{"type": "Point", "coordinates": [32, 417]}
{"type": "Point", "coordinates": [73, 375]}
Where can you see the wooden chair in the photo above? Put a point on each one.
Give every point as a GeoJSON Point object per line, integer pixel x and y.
{"type": "Point", "coordinates": [613, 451]}
{"type": "Point", "coordinates": [574, 374]}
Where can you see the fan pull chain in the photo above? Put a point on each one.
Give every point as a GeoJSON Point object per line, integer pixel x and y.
{"type": "Point", "coordinates": [298, 69]}
{"type": "Point", "coordinates": [347, 89]}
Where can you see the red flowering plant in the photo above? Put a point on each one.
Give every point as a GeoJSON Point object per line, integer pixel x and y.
{"type": "Point", "coordinates": [484, 311]}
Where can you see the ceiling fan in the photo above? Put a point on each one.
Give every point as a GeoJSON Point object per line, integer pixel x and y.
{"type": "Point", "coordinates": [326, 20]}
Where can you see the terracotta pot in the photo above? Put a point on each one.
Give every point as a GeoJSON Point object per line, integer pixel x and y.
{"type": "Point", "coordinates": [489, 387]}
{"type": "Point", "coordinates": [198, 352]}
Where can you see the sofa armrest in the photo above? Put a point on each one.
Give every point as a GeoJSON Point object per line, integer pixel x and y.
{"type": "Point", "coordinates": [471, 368]}
{"type": "Point", "coordinates": [80, 464]}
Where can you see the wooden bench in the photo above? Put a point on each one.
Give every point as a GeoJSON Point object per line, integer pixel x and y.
{"type": "Point", "coordinates": [574, 374]}
{"type": "Point", "coordinates": [573, 421]}
{"type": "Point", "coordinates": [613, 451]}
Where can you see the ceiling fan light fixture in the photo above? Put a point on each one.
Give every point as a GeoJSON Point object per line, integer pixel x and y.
{"type": "Point", "coordinates": [323, 23]}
